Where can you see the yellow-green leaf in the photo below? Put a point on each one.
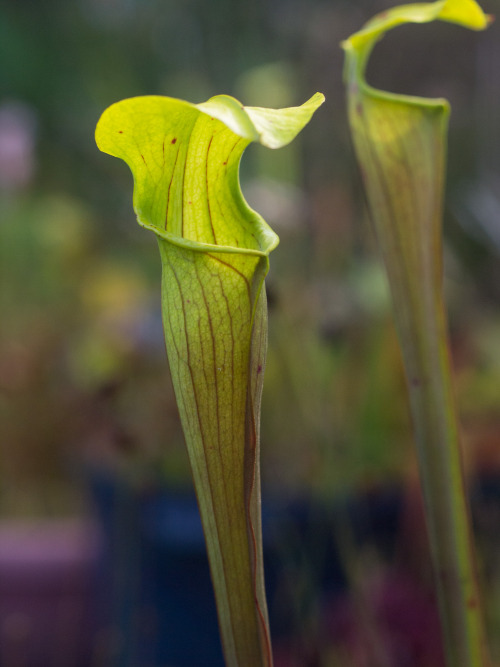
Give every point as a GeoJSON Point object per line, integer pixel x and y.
{"type": "Point", "coordinates": [214, 251]}
{"type": "Point", "coordinates": [400, 143]}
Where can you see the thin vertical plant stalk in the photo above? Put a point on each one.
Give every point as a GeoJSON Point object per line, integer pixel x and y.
{"type": "Point", "coordinates": [400, 142]}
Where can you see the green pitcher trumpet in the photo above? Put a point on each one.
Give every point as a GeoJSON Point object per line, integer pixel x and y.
{"type": "Point", "coordinates": [215, 255]}
{"type": "Point", "coordinates": [400, 143]}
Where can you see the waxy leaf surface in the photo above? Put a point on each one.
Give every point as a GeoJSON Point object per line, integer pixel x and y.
{"type": "Point", "coordinates": [214, 250]}
{"type": "Point", "coordinates": [400, 142]}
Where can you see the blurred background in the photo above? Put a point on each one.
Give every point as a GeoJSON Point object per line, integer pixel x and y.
{"type": "Point", "coordinates": [101, 553]}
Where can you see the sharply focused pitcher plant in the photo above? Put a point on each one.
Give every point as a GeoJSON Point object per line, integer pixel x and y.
{"type": "Point", "coordinates": [400, 142]}
{"type": "Point", "coordinates": [215, 254]}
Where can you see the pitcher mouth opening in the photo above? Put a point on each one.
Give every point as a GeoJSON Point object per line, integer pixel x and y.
{"type": "Point", "coordinates": [269, 241]}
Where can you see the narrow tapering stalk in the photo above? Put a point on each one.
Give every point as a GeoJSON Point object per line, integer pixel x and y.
{"type": "Point", "coordinates": [447, 513]}
{"type": "Point", "coordinates": [400, 143]}
{"type": "Point", "coordinates": [215, 255]}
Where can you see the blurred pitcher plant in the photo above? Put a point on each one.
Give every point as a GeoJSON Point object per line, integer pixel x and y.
{"type": "Point", "coordinates": [400, 143]}
{"type": "Point", "coordinates": [215, 255]}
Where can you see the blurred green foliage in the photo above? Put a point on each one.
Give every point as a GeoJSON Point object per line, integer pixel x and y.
{"type": "Point", "coordinates": [83, 368]}
{"type": "Point", "coordinates": [84, 381]}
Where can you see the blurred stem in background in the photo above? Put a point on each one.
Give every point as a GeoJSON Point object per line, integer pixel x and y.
{"type": "Point", "coordinates": [400, 143]}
